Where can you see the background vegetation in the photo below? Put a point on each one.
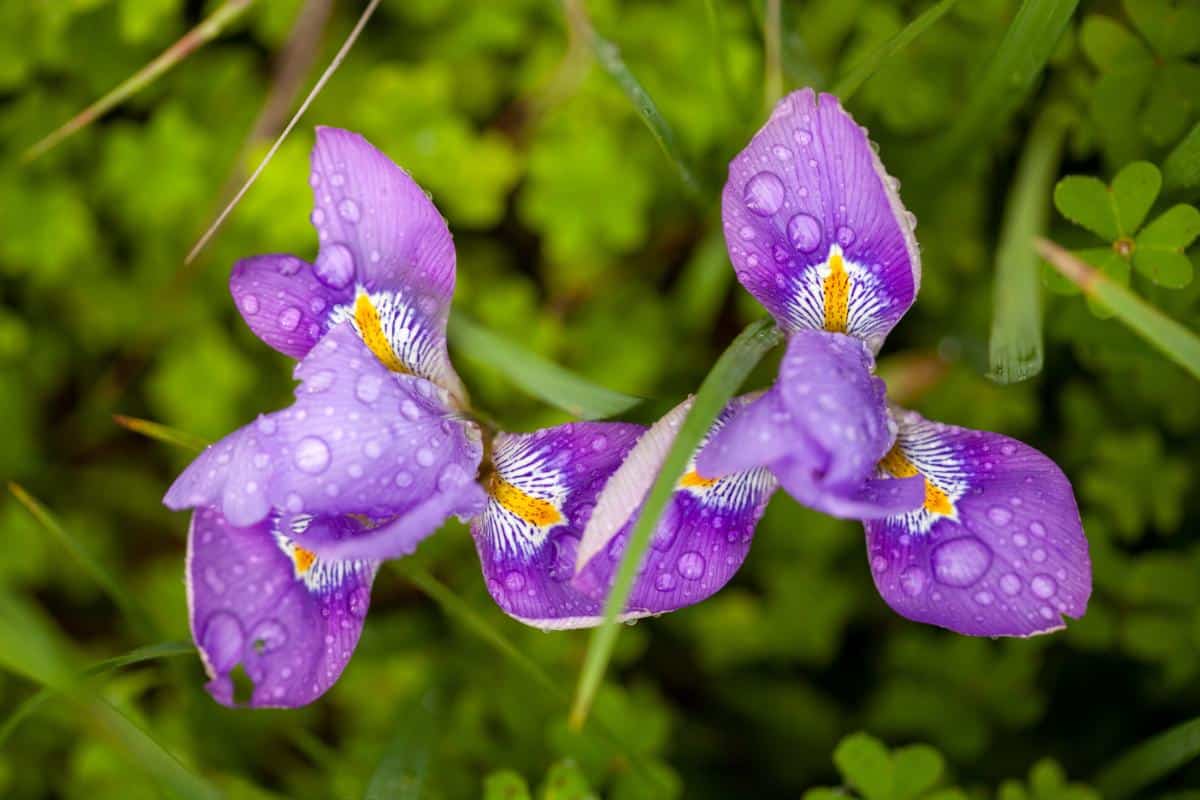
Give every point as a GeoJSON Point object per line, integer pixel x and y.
{"type": "Point", "coordinates": [593, 239]}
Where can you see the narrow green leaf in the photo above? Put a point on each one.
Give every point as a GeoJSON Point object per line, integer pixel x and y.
{"type": "Point", "coordinates": [191, 41]}
{"type": "Point", "coordinates": [541, 378]}
{"type": "Point", "coordinates": [865, 67]}
{"type": "Point", "coordinates": [1134, 190]}
{"type": "Point", "coordinates": [402, 770]}
{"type": "Point", "coordinates": [1149, 761]}
{"type": "Point", "coordinates": [718, 387]}
{"type": "Point", "coordinates": [162, 433]}
{"type": "Point", "coordinates": [1181, 169]}
{"type": "Point", "coordinates": [609, 57]}
{"type": "Point", "coordinates": [772, 54]}
{"type": "Point", "coordinates": [142, 654]}
{"type": "Point", "coordinates": [151, 757]}
{"type": "Point", "coordinates": [1175, 341]}
{"type": "Point", "coordinates": [103, 578]}
{"type": "Point", "coordinates": [1009, 77]}
{"type": "Point", "coordinates": [1085, 201]}
{"type": "Point", "coordinates": [705, 283]}
{"type": "Point", "coordinates": [716, 37]}
{"type": "Point", "coordinates": [1015, 347]}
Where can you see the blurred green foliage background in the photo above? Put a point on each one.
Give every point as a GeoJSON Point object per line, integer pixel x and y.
{"type": "Point", "coordinates": [577, 238]}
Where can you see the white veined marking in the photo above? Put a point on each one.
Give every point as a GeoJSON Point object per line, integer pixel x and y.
{"type": "Point", "coordinates": [922, 442]}
{"type": "Point", "coordinates": [525, 463]}
{"type": "Point", "coordinates": [865, 309]}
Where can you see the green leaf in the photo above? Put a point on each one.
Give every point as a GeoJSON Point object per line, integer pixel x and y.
{"type": "Point", "coordinates": [506, 785]}
{"type": "Point", "coordinates": [863, 68]}
{"type": "Point", "coordinates": [1085, 201]}
{"type": "Point", "coordinates": [718, 387]}
{"type": "Point", "coordinates": [866, 765]}
{"type": "Point", "coordinates": [1133, 192]}
{"type": "Point", "coordinates": [402, 770]}
{"type": "Point", "coordinates": [1110, 45]}
{"type": "Point", "coordinates": [541, 378]}
{"type": "Point", "coordinates": [1175, 229]}
{"type": "Point", "coordinates": [915, 769]}
{"type": "Point", "coordinates": [1181, 169]}
{"type": "Point", "coordinates": [1015, 346]}
{"type": "Point", "coordinates": [161, 433]}
{"type": "Point", "coordinates": [1172, 28]}
{"type": "Point", "coordinates": [1149, 761]}
{"type": "Point", "coordinates": [565, 781]}
{"type": "Point", "coordinates": [1166, 268]}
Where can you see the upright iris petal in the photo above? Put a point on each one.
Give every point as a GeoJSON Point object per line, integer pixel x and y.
{"type": "Point", "coordinates": [822, 428]}
{"type": "Point", "coordinates": [385, 262]}
{"type": "Point", "coordinates": [815, 227]}
{"type": "Point", "coordinates": [702, 537]}
{"type": "Point", "coordinates": [997, 547]}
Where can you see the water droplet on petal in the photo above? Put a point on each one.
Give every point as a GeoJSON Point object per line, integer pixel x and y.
{"type": "Point", "coordinates": [289, 318]}
{"type": "Point", "coordinates": [514, 581]}
{"type": "Point", "coordinates": [311, 455]}
{"type": "Point", "coordinates": [763, 194]}
{"type": "Point", "coordinates": [268, 635]}
{"type": "Point", "coordinates": [250, 304]}
{"type": "Point", "coordinates": [1043, 586]}
{"type": "Point", "coordinates": [1010, 584]}
{"type": "Point", "coordinates": [425, 457]}
{"type": "Point", "coordinates": [961, 562]}
{"type": "Point", "coordinates": [879, 564]}
{"type": "Point", "coordinates": [410, 410]}
{"type": "Point", "coordinates": [912, 581]}
{"type": "Point", "coordinates": [802, 137]}
{"type": "Point", "coordinates": [665, 581]}
{"type": "Point", "coordinates": [335, 266]}
{"type": "Point", "coordinates": [360, 600]}
{"type": "Point", "coordinates": [348, 210]}
{"type": "Point", "coordinates": [845, 236]}
{"type": "Point", "coordinates": [223, 640]}
{"type": "Point", "coordinates": [452, 477]}
{"type": "Point", "coordinates": [804, 232]}
{"type": "Point", "coordinates": [337, 179]}
{"type": "Point", "coordinates": [367, 387]}
{"type": "Point", "coordinates": [403, 479]}
{"type": "Point", "coordinates": [320, 381]}
{"type": "Point", "coordinates": [984, 598]}
{"type": "Point", "coordinates": [999, 515]}
{"type": "Point", "coordinates": [691, 565]}
{"type": "Point", "coordinates": [1037, 529]}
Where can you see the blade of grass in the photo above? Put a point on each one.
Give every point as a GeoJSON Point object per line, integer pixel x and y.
{"type": "Point", "coordinates": [541, 378]}
{"type": "Point", "coordinates": [864, 68]}
{"type": "Point", "coordinates": [1008, 78]}
{"type": "Point", "coordinates": [142, 654]}
{"type": "Point", "coordinates": [340, 56]}
{"type": "Point", "coordinates": [1015, 347]}
{"type": "Point", "coordinates": [190, 42]}
{"type": "Point", "coordinates": [718, 387]}
{"type": "Point", "coordinates": [1149, 761]}
{"type": "Point", "coordinates": [704, 285]}
{"type": "Point", "coordinates": [1174, 340]}
{"type": "Point", "coordinates": [103, 578]}
{"type": "Point", "coordinates": [716, 40]}
{"type": "Point", "coordinates": [148, 755]}
{"type": "Point", "coordinates": [162, 433]}
{"type": "Point", "coordinates": [609, 57]}
{"type": "Point", "coordinates": [402, 770]}
{"type": "Point", "coordinates": [772, 54]}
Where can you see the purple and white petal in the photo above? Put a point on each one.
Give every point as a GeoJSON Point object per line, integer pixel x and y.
{"type": "Point", "coordinates": [815, 227]}
{"type": "Point", "coordinates": [821, 429]}
{"type": "Point", "coordinates": [542, 493]}
{"type": "Point", "coordinates": [283, 302]}
{"type": "Point", "coordinates": [256, 599]}
{"type": "Point", "coordinates": [384, 244]}
{"type": "Point", "coordinates": [358, 440]}
{"type": "Point", "coordinates": [997, 548]}
{"type": "Point", "coordinates": [701, 540]}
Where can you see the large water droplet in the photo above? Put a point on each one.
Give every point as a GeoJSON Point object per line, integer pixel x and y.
{"type": "Point", "coordinates": [845, 236]}
{"type": "Point", "coordinates": [763, 194]}
{"type": "Point", "coordinates": [289, 318]}
{"type": "Point", "coordinates": [268, 635]}
{"type": "Point", "coordinates": [665, 581]}
{"type": "Point", "coordinates": [311, 455]}
{"type": "Point", "coordinates": [425, 457]}
{"type": "Point", "coordinates": [223, 640]}
{"type": "Point", "coordinates": [961, 562]}
{"type": "Point", "coordinates": [335, 266]}
{"type": "Point", "coordinates": [999, 515]}
{"type": "Point", "coordinates": [690, 565]}
{"type": "Point", "coordinates": [1043, 586]}
{"type": "Point", "coordinates": [250, 305]}
{"type": "Point", "coordinates": [912, 581]}
{"type": "Point", "coordinates": [804, 232]}
{"type": "Point", "coordinates": [514, 581]}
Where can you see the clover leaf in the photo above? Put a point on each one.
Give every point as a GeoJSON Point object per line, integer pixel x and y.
{"type": "Point", "coordinates": [907, 773]}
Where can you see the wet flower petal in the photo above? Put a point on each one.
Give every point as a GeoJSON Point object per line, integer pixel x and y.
{"type": "Point", "coordinates": [283, 302]}
{"type": "Point", "coordinates": [540, 498]}
{"type": "Point", "coordinates": [821, 429]}
{"type": "Point", "coordinates": [997, 548]}
{"type": "Point", "coordinates": [358, 440]}
{"type": "Point", "coordinates": [291, 620]}
{"type": "Point", "coordinates": [815, 227]}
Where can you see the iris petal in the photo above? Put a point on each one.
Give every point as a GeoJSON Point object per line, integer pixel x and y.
{"type": "Point", "coordinates": [283, 302]}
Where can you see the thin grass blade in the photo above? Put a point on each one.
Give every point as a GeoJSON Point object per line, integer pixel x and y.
{"type": "Point", "coordinates": [148, 755]}
{"type": "Point", "coordinates": [865, 67]}
{"type": "Point", "coordinates": [1015, 347]}
{"type": "Point", "coordinates": [541, 378]}
{"type": "Point", "coordinates": [772, 54]}
{"type": "Point", "coordinates": [189, 43]}
{"type": "Point", "coordinates": [609, 57]}
{"type": "Point", "coordinates": [718, 387]}
{"type": "Point", "coordinates": [1149, 761]}
{"type": "Point", "coordinates": [716, 38]}
{"type": "Point", "coordinates": [103, 578]}
{"type": "Point", "coordinates": [402, 770]}
{"type": "Point", "coordinates": [162, 433]}
{"type": "Point", "coordinates": [338, 58]}
{"type": "Point", "coordinates": [1174, 340]}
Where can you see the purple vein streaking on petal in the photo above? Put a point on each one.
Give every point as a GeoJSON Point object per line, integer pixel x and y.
{"type": "Point", "coordinates": [256, 599]}
{"type": "Point", "coordinates": [541, 495]}
{"type": "Point", "coordinates": [282, 301]}
{"type": "Point", "coordinates": [358, 440]}
{"type": "Point", "coordinates": [701, 540]}
{"type": "Point", "coordinates": [822, 429]}
{"type": "Point", "coordinates": [815, 227]}
{"type": "Point", "coordinates": [382, 241]}
{"type": "Point", "coordinates": [997, 549]}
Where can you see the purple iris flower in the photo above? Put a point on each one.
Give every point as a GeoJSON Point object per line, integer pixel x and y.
{"type": "Point", "coordinates": [969, 530]}
{"type": "Point", "coordinates": [295, 512]}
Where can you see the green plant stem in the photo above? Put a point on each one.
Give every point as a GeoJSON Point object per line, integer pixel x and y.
{"type": "Point", "coordinates": [864, 68]}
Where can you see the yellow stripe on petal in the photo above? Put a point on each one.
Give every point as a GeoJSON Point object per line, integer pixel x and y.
{"type": "Point", "coordinates": [366, 319]}
{"type": "Point", "coordinates": [898, 466]}
{"type": "Point", "coordinates": [533, 510]}
{"type": "Point", "coordinates": [837, 295]}
{"type": "Point", "coordinates": [695, 479]}
{"type": "Point", "coordinates": [303, 559]}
